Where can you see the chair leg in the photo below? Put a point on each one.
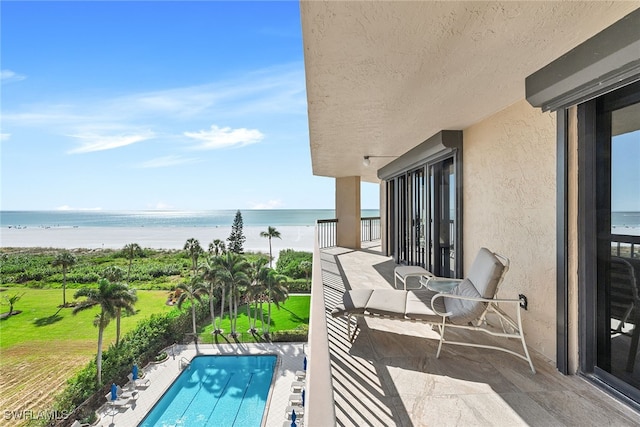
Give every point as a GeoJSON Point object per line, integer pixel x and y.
{"type": "Point", "coordinates": [524, 343]}
{"type": "Point", "coordinates": [441, 327]}
{"type": "Point", "coordinates": [349, 335]}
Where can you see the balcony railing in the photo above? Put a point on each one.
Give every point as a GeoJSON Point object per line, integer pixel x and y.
{"type": "Point", "coordinates": [370, 228]}
{"type": "Point", "coordinates": [327, 231]}
{"type": "Point", "coordinates": [625, 246]}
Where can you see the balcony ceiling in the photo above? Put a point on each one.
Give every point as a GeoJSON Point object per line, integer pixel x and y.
{"type": "Point", "coordinates": [382, 77]}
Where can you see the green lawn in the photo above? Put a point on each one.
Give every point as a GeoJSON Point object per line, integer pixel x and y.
{"type": "Point", "coordinates": [42, 321]}
{"type": "Point", "coordinates": [53, 344]}
{"type": "Point", "coordinates": [292, 313]}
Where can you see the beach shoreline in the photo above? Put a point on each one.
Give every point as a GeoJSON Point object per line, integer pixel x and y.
{"type": "Point", "coordinates": [299, 238]}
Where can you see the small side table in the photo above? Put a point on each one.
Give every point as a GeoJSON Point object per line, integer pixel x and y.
{"type": "Point", "coordinates": [440, 284]}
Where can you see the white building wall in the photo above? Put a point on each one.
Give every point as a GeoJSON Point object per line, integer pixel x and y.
{"type": "Point", "coordinates": [510, 208]}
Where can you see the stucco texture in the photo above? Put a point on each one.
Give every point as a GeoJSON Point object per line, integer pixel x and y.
{"type": "Point", "coordinates": [509, 207]}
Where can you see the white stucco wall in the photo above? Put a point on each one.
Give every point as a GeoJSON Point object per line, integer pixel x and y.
{"type": "Point", "coordinates": [510, 207]}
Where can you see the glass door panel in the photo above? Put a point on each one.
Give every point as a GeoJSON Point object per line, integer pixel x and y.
{"type": "Point", "coordinates": [618, 300]}
{"type": "Point", "coordinates": [442, 208]}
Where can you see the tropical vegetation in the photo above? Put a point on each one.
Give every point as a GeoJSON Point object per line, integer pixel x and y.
{"type": "Point", "coordinates": [110, 297]}
{"type": "Point", "coordinates": [65, 260]}
{"type": "Point", "coordinates": [271, 233]}
{"type": "Point", "coordinates": [236, 239]}
{"type": "Point", "coordinates": [243, 286]}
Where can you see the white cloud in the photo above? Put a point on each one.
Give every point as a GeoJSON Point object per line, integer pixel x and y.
{"type": "Point", "coordinates": [94, 142]}
{"type": "Point", "coordinates": [225, 137]}
{"type": "Point", "coordinates": [273, 90]}
{"type": "Point", "coordinates": [161, 162]}
{"type": "Point", "coordinates": [5, 136]}
{"type": "Point", "coordinates": [271, 204]}
{"type": "Point", "coordinates": [8, 76]}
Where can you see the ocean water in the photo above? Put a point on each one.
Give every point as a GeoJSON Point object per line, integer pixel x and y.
{"type": "Point", "coordinates": [213, 218]}
{"type": "Point", "coordinates": [625, 223]}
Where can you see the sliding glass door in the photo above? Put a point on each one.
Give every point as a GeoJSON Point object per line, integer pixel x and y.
{"type": "Point", "coordinates": [611, 238]}
{"type": "Point", "coordinates": [424, 208]}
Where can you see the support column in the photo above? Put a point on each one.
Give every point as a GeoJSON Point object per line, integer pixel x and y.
{"type": "Point", "coordinates": [348, 212]}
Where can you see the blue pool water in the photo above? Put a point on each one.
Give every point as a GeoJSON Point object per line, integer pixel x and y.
{"type": "Point", "coordinates": [216, 391]}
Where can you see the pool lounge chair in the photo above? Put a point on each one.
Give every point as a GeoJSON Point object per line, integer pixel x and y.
{"type": "Point", "coordinates": [122, 394]}
{"type": "Point", "coordinates": [466, 306]}
{"type": "Point", "coordinates": [139, 383]}
{"type": "Point", "coordinates": [119, 402]}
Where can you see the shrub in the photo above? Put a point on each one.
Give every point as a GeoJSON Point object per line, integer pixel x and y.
{"type": "Point", "coordinates": [299, 286]}
{"type": "Point", "coordinates": [289, 263]}
{"type": "Point", "coordinates": [299, 334]}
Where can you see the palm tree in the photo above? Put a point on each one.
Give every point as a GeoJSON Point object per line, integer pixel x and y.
{"type": "Point", "coordinates": [66, 260]}
{"type": "Point", "coordinates": [115, 274]}
{"type": "Point", "coordinates": [217, 247]}
{"type": "Point", "coordinates": [209, 276]}
{"type": "Point", "coordinates": [12, 301]}
{"type": "Point", "coordinates": [258, 272]}
{"type": "Point", "coordinates": [277, 292]}
{"type": "Point", "coordinates": [132, 250]}
{"type": "Point", "coordinates": [232, 274]}
{"type": "Point", "coordinates": [193, 248]}
{"type": "Point", "coordinates": [192, 291]}
{"type": "Point", "coordinates": [271, 232]}
{"type": "Point", "coordinates": [109, 296]}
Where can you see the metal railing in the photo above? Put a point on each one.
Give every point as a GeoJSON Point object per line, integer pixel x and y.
{"type": "Point", "coordinates": [370, 228]}
{"type": "Point", "coordinates": [625, 245]}
{"type": "Point", "coordinates": [327, 230]}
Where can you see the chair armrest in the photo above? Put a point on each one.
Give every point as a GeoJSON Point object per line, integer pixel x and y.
{"type": "Point", "coordinates": [425, 280]}
{"type": "Point", "coordinates": [461, 297]}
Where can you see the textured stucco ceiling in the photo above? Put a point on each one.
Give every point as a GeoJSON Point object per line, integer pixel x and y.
{"type": "Point", "coordinates": [382, 77]}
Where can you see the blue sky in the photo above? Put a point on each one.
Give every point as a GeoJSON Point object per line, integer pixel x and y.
{"type": "Point", "coordinates": [156, 105]}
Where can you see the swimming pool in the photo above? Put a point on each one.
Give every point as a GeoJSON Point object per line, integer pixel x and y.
{"type": "Point", "coordinates": [216, 391]}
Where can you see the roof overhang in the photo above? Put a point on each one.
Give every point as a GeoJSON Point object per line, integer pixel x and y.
{"type": "Point", "coordinates": [382, 77]}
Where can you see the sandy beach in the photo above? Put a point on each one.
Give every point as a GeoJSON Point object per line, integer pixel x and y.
{"type": "Point", "coordinates": [292, 237]}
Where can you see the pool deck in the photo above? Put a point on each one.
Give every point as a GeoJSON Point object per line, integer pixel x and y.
{"type": "Point", "coordinates": [162, 375]}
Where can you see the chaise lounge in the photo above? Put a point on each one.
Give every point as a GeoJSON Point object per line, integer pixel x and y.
{"type": "Point", "coordinates": [465, 305]}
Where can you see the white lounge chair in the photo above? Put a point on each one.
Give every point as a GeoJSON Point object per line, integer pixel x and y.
{"type": "Point", "coordinates": [295, 399]}
{"type": "Point", "coordinates": [299, 412]}
{"type": "Point", "coordinates": [122, 394]}
{"type": "Point", "coordinates": [297, 386]}
{"type": "Point", "coordinates": [140, 382]}
{"type": "Point", "coordinates": [119, 402]}
{"type": "Point", "coordinates": [465, 307]}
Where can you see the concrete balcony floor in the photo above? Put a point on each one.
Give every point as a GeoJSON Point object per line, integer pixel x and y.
{"type": "Point", "coordinates": [389, 375]}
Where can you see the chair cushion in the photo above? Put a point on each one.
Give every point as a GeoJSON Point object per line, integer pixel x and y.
{"type": "Point", "coordinates": [419, 306]}
{"type": "Point", "coordinates": [485, 273]}
{"type": "Point", "coordinates": [354, 301]}
{"type": "Point", "coordinates": [464, 311]}
{"type": "Point", "coordinates": [387, 302]}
